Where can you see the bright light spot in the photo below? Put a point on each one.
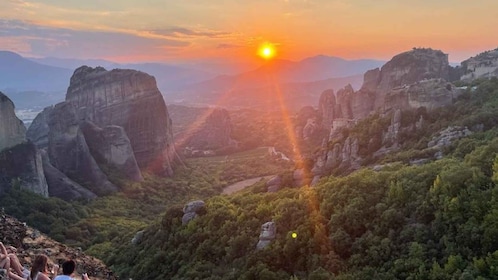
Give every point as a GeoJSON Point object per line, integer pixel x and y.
{"type": "Point", "coordinates": [294, 235]}
{"type": "Point", "coordinates": [267, 51]}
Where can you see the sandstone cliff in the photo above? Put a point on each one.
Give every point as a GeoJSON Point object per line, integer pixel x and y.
{"type": "Point", "coordinates": [410, 80]}
{"type": "Point", "coordinates": [12, 130]}
{"type": "Point", "coordinates": [69, 152]}
{"type": "Point", "coordinates": [413, 79]}
{"type": "Point", "coordinates": [38, 130]}
{"type": "Point", "coordinates": [20, 161]}
{"type": "Point", "coordinates": [22, 165]}
{"type": "Point", "coordinates": [484, 65]}
{"type": "Point", "coordinates": [129, 99]}
{"type": "Point", "coordinates": [212, 134]}
{"type": "Point", "coordinates": [110, 146]}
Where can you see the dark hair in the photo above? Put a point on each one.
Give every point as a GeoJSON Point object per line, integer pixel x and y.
{"type": "Point", "coordinates": [39, 265]}
{"type": "Point", "coordinates": [68, 267]}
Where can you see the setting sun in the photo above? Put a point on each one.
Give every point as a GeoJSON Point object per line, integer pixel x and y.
{"type": "Point", "coordinates": [267, 51]}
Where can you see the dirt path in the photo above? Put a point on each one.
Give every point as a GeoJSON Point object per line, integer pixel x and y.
{"type": "Point", "coordinates": [243, 184]}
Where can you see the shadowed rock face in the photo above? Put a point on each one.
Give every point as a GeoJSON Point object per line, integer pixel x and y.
{"type": "Point", "coordinates": [110, 146]}
{"type": "Point", "coordinates": [20, 161]}
{"type": "Point", "coordinates": [12, 130]}
{"type": "Point", "coordinates": [129, 99]}
{"type": "Point", "coordinates": [69, 152]}
{"type": "Point", "coordinates": [23, 164]}
{"type": "Point", "coordinates": [59, 185]}
{"type": "Point", "coordinates": [38, 130]}
{"type": "Point", "coordinates": [214, 133]}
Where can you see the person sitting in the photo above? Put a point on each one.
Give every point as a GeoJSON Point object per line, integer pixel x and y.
{"type": "Point", "coordinates": [39, 269]}
{"type": "Point", "coordinates": [9, 260]}
{"type": "Point", "coordinates": [67, 270]}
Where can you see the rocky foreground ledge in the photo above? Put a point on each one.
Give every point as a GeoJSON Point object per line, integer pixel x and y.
{"type": "Point", "coordinates": [30, 242]}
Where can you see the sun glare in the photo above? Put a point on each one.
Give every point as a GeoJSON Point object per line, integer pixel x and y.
{"type": "Point", "coordinates": [267, 51]}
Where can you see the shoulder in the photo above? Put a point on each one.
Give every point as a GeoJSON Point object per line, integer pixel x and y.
{"type": "Point", "coordinates": [63, 277]}
{"type": "Point", "coordinates": [42, 276]}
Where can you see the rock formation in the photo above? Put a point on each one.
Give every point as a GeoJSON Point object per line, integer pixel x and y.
{"type": "Point", "coordinates": [410, 80]}
{"type": "Point", "coordinates": [191, 209]}
{"type": "Point", "coordinates": [12, 130]}
{"type": "Point", "coordinates": [20, 161]}
{"type": "Point", "coordinates": [21, 165]}
{"type": "Point", "coordinates": [484, 65]}
{"type": "Point", "coordinates": [69, 152]}
{"type": "Point", "coordinates": [431, 94]}
{"type": "Point", "coordinates": [129, 99]}
{"type": "Point", "coordinates": [59, 185]}
{"type": "Point", "coordinates": [274, 184]}
{"type": "Point", "coordinates": [213, 134]}
{"type": "Point", "coordinates": [38, 130]}
{"type": "Point", "coordinates": [30, 243]}
{"type": "Point", "coordinates": [110, 146]}
{"type": "Point", "coordinates": [326, 108]}
{"type": "Point", "coordinates": [268, 233]}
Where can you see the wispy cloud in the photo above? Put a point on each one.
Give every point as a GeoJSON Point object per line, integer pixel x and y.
{"type": "Point", "coordinates": [53, 41]}
{"type": "Point", "coordinates": [182, 32]}
{"type": "Point", "coordinates": [228, 46]}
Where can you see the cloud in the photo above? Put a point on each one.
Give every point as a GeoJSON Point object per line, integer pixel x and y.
{"type": "Point", "coordinates": [63, 42]}
{"type": "Point", "coordinates": [181, 32]}
{"type": "Point", "coordinates": [228, 46]}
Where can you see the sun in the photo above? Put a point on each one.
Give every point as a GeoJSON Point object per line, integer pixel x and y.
{"type": "Point", "coordinates": [267, 51]}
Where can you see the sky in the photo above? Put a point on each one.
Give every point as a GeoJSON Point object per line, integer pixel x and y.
{"type": "Point", "coordinates": [195, 30]}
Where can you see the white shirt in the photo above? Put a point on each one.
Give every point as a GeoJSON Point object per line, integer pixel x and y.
{"type": "Point", "coordinates": [63, 277]}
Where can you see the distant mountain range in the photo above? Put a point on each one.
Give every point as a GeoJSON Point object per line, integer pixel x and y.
{"type": "Point", "coordinates": [21, 74]}
{"type": "Point", "coordinates": [186, 85]}
{"type": "Point", "coordinates": [298, 83]}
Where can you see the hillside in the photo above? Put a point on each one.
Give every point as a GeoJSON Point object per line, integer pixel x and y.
{"type": "Point", "coordinates": [399, 217]}
{"type": "Point", "coordinates": [30, 242]}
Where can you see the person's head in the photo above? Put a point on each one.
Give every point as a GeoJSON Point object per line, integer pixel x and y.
{"type": "Point", "coordinates": [40, 264]}
{"type": "Point", "coordinates": [68, 267]}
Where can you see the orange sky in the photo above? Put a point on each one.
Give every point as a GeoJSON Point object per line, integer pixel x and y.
{"type": "Point", "coordinates": [172, 30]}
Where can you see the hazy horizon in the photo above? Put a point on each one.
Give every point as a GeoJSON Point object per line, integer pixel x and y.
{"type": "Point", "coordinates": [185, 32]}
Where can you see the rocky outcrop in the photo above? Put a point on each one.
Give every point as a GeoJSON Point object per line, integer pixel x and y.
{"type": "Point", "coordinates": [129, 99]}
{"type": "Point", "coordinates": [59, 185]}
{"type": "Point", "coordinates": [268, 233]}
{"type": "Point", "coordinates": [431, 94]}
{"type": "Point", "coordinates": [274, 184]}
{"type": "Point", "coordinates": [307, 126]}
{"type": "Point", "coordinates": [413, 66]}
{"type": "Point", "coordinates": [22, 166]}
{"type": "Point", "coordinates": [446, 137]}
{"type": "Point", "coordinates": [12, 130]}
{"type": "Point", "coordinates": [191, 210]}
{"type": "Point", "coordinates": [29, 243]}
{"type": "Point", "coordinates": [38, 130]}
{"type": "Point", "coordinates": [327, 107]}
{"type": "Point", "coordinates": [213, 134]}
{"type": "Point", "coordinates": [110, 146]}
{"type": "Point", "coordinates": [484, 65]}
{"type": "Point", "coordinates": [69, 152]}
{"type": "Point", "coordinates": [20, 161]}
{"type": "Point", "coordinates": [409, 80]}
